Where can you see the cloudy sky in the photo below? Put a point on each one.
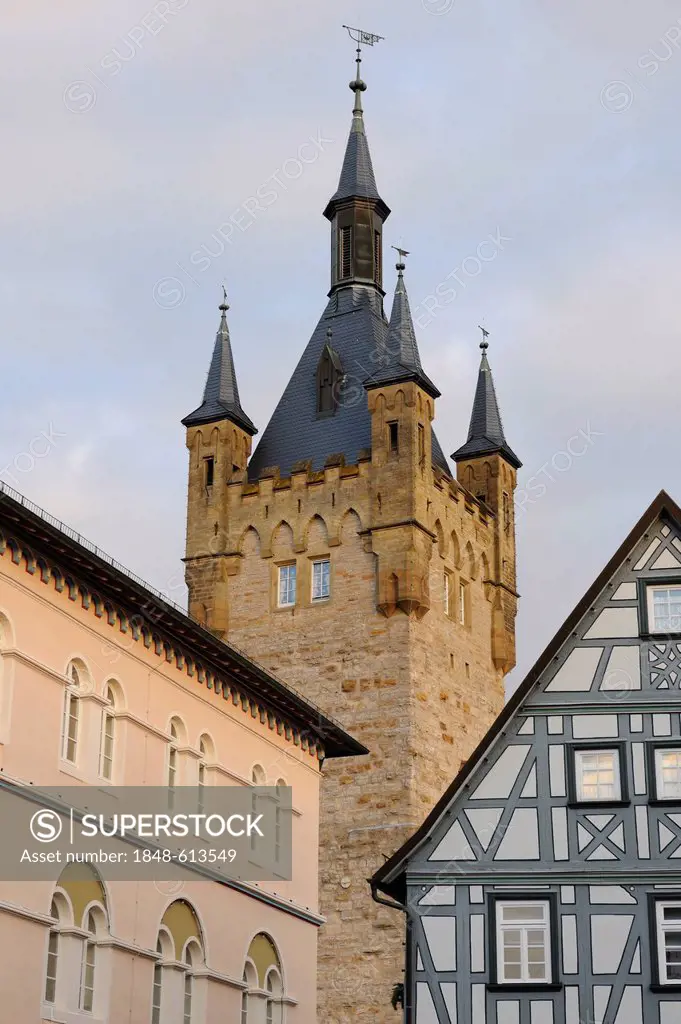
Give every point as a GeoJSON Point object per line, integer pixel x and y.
{"type": "Point", "coordinates": [134, 132]}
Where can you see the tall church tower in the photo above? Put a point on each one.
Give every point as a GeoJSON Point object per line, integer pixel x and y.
{"type": "Point", "coordinates": [348, 559]}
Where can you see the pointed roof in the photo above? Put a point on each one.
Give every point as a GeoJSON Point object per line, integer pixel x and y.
{"type": "Point", "coordinates": [221, 393]}
{"type": "Point", "coordinates": [486, 431]}
{"type": "Point", "coordinates": [390, 877]}
{"type": "Point", "coordinates": [296, 432]}
{"type": "Point", "coordinates": [357, 178]}
{"type": "Point", "coordinates": [398, 357]}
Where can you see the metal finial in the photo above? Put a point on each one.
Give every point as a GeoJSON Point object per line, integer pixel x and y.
{"type": "Point", "coordinates": [484, 344]}
{"type": "Point", "coordinates": [361, 38]}
{"type": "Point", "coordinates": [329, 335]}
{"type": "Point", "coordinates": [400, 266]}
{"type": "Point", "coordinates": [223, 305]}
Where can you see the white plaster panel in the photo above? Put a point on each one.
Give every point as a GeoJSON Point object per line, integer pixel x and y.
{"type": "Point", "coordinates": [475, 894]}
{"type": "Point", "coordinates": [578, 670]}
{"type": "Point", "coordinates": [665, 835]}
{"type": "Point", "coordinates": [557, 769]}
{"type": "Point", "coordinates": [601, 853]}
{"type": "Point", "coordinates": [666, 560]}
{"type": "Point", "coordinates": [586, 727]}
{"type": "Point", "coordinates": [601, 998]}
{"type": "Point", "coordinates": [642, 832]}
{"type": "Point", "coordinates": [478, 1004]}
{"type": "Point", "coordinates": [508, 1011]}
{"type": "Point", "coordinates": [567, 894]}
{"type": "Point", "coordinates": [439, 896]}
{"type": "Point", "coordinates": [541, 1011]}
{"type": "Point", "coordinates": [499, 780]}
{"type": "Point", "coordinates": [454, 846]}
{"type": "Point", "coordinates": [569, 923]}
{"type": "Point", "coordinates": [636, 960]}
{"type": "Point", "coordinates": [527, 728]}
{"type": "Point", "coordinates": [631, 1010]}
{"type": "Point", "coordinates": [484, 821]}
{"type": "Point", "coordinates": [670, 1012]}
{"type": "Point", "coordinates": [477, 937]}
{"type": "Point", "coordinates": [560, 835]}
{"type": "Point", "coordinates": [521, 840]}
{"type": "Point", "coordinates": [648, 553]}
{"type": "Point", "coordinates": [636, 723]}
{"type": "Point", "coordinates": [425, 1008]}
{"type": "Point", "coordinates": [555, 725]}
{"type": "Point", "coordinates": [609, 934]}
{"type": "Point", "coordinates": [662, 725]}
{"type": "Point", "coordinates": [419, 960]}
{"type": "Point", "coordinates": [572, 1005]}
{"type": "Point", "coordinates": [440, 934]}
{"type": "Point", "coordinates": [448, 989]}
{"type": "Point", "coordinates": [625, 592]}
{"type": "Point", "coordinates": [639, 760]}
{"type": "Point", "coordinates": [613, 623]}
{"type": "Point", "coordinates": [623, 671]}
{"type": "Point", "coordinates": [616, 837]}
{"type": "Point", "coordinates": [601, 894]}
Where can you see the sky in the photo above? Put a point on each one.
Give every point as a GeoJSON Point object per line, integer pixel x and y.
{"type": "Point", "coordinates": [134, 135]}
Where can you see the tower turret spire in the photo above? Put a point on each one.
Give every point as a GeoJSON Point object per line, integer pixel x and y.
{"type": "Point", "coordinates": [221, 393]}
{"type": "Point", "coordinates": [356, 210]}
{"type": "Point", "coordinates": [486, 432]}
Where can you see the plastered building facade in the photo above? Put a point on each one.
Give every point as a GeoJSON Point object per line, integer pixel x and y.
{"type": "Point", "coordinates": [344, 554]}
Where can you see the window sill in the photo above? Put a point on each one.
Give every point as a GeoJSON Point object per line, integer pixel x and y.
{"type": "Point", "coordinates": [587, 805]}
{"type": "Point", "coordinates": [672, 987]}
{"type": "Point", "coordinates": [660, 801]}
{"type": "Point", "coordinates": [525, 986]}
{"type": "Point", "coordinates": [68, 768]}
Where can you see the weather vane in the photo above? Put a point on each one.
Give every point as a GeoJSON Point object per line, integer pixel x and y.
{"type": "Point", "coordinates": [362, 38]}
{"type": "Point", "coordinates": [401, 253]}
{"type": "Point", "coordinates": [485, 335]}
{"type": "Point", "coordinates": [224, 298]}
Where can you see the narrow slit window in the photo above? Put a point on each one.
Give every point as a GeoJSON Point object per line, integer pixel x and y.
{"type": "Point", "coordinates": [393, 438]}
{"type": "Point", "coordinates": [422, 446]}
{"type": "Point", "coordinates": [345, 254]}
{"type": "Point", "coordinates": [378, 258]}
{"type": "Point", "coordinates": [209, 465]}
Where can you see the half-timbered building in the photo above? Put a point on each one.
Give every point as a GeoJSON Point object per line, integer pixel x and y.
{"type": "Point", "coordinates": [545, 886]}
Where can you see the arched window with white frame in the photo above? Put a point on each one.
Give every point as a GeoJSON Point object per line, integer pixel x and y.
{"type": "Point", "coordinates": [107, 747]}
{"type": "Point", "coordinates": [95, 925]}
{"type": "Point", "coordinates": [52, 965]}
{"type": "Point", "coordinates": [274, 1007]}
{"type": "Point", "coordinates": [278, 820]}
{"type": "Point", "coordinates": [250, 980]}
{"type": "Point", "coordinates": [178, 736]}
{"type": "Point", "coordinates": [206, 754]}
{"type": "Point", "coordinates": [193, 958]}
{"type": "Point", "coordinates": [71, 714]}
{"type": "Point", "coordinates": [258, 778]}
{"type": "Point", "coordinates": [157, 989]}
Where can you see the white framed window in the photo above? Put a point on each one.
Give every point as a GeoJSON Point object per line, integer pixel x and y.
{"type": "Point", "coordinates": [106, 752]}
{"type": "Point", "coordinates": [188, 991]}
{"type": "Point", "coordinates": [664, 608]}
{"type": "Point", "coordinates": [523, 942]}
{"type": "Point", "coordinates": [71, 716]}
{"type": "Point", "coordinates": [321, 579]}
{"type": "Point", "coordinates": [668, 929]}
{"type": "Point", "coordinates": [52, 957]}
{"type": "Point", "coordinates": [668, 773]}
{"type": "Point", "coordinates": [157, 990]}
{"type": "Point", "coordinates": [463, 603]}
{"type": "Point", "coordinates": [287, 585]}
{"type": "Point", "coordinates": [597, 775]}
{"type": "Point", "coordinates": [88, 965]}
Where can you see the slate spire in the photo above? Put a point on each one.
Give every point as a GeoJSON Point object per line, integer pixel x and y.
{"type": "Point", "coordinates": [357, 179]}
{"type": "Point", "coordinates": [486, 432]}
{"type": "Point", "coordinates": [398, 357]}
{"type": "Point", "coordinates": [221, 393]}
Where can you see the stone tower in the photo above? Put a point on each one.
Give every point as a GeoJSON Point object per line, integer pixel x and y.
{"type": "Point", "coordinates": [346, 557]}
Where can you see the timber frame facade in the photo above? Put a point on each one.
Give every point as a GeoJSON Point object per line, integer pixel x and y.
{"type": "Point", "coordinates": [545, 886]}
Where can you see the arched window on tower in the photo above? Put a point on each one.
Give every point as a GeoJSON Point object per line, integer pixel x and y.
{"type": "Point", "coordinates": [329, 378]}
